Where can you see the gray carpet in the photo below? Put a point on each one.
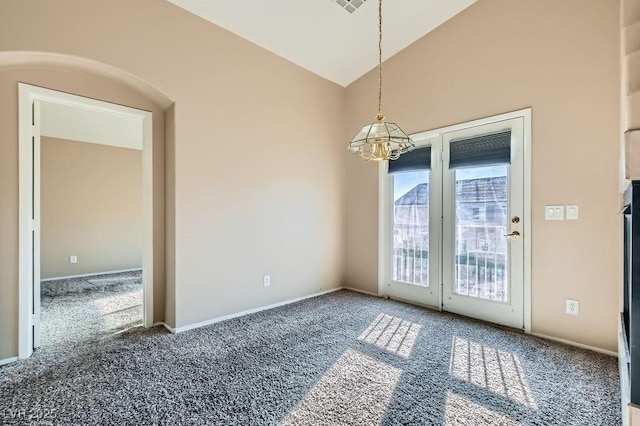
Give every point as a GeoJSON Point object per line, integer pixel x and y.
{"type": "Point", "coordinates": [81, 309]}
{"type": "Point", "coordinates": [343, 358]}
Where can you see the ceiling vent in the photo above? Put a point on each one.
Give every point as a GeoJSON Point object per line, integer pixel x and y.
{"type": "Point", "coordinates": [350, 5]}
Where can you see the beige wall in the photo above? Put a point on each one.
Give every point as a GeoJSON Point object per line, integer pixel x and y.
{"type": "Point", "coordinates": [561, 59]}
{"type": "Point", "coordinates": [257, 165]}
{"type": "Point", "coordinates": [66, 79]}
{"type": "Point", "coordinates": [91, 207]}
{"type": "Point", "coordinates": [257, 151]}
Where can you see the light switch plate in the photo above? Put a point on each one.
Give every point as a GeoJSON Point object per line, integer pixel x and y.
{"type": "Point", "coordinates": [572, 212]}
{"type": "Point", "coordinates": [554, 212]}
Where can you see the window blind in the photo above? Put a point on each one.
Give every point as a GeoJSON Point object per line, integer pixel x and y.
{"type": "Point", "coordinates": [418, 159]}
{"type": "Point", "coordinates": [486, 150]}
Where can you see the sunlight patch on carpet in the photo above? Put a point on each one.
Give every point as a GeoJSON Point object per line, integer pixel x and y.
{"type": "Point", "coordinates": [124, 318]}
{"type": "Point", "coordinates": [357, 389]}
{"type": "Point", "coordinates": [463, 411]}
{"type": "Point", "coordinates": [498, 371]}
{"type": "Point", "coordinates": [392, 334]}
{"type": "Point", "coordinates": [109, 304]}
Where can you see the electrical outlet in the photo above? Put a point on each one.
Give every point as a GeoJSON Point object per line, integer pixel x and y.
{"type": "Point", "coordinates": [266, 280]}
{"type": "Point", "coordinates": [73, 259]}
{"type": "Point", "coordinates": [573, 307]}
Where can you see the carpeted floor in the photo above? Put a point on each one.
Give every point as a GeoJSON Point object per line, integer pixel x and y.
{"type": "Point", "coordinates": [343, 358]}
{"type": "Point", "coordinates": [80, 309]}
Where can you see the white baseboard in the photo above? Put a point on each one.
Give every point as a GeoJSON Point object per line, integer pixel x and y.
{"type": "Point", "coordinates": [91, 275]}
{"type": "Point", "coordinates": [357, 290]}
{"type": "Point", "coordinates": [576, 344]}
{"type": "Point", "coordinates": [247, 312]}
{"type": "Point", "coordinates": [8, 360]}
{"type": "Point", "coordinates": [165, 325]}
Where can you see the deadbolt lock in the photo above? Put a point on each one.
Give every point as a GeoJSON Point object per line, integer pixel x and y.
{"type": "Point", "coordinates": [515, 219]}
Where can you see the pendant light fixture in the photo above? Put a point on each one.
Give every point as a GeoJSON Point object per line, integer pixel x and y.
{"type": "Point", "coordinates": [380, 140]}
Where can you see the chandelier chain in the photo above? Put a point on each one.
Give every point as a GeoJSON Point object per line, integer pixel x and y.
{"type": "Point", "coordinates": [380, 140]}
{"type": "Point", "coordinates": [380, 57]}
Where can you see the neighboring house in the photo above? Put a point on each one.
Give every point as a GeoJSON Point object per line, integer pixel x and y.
{"type": "Point", "coordinates": [481, 248]}
{"type": "Point", "coordinates": [411, 236]}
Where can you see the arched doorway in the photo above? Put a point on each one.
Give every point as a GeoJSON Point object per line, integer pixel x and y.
{"type": "Point", "coordinates": [97, 81]}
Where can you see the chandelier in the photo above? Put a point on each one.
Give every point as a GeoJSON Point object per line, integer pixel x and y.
{"type": "Point", "coordinates": [380, 140]}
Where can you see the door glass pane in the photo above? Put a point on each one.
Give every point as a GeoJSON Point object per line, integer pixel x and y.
{"type": "Point", "coordinates": [481, 223]}
{"type": "Point", "coordinates": [411, 227]}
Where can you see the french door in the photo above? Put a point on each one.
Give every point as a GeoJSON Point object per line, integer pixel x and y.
{"type": "Point", "coordinates": [410, 251]}
{"type": "Point", "coordinates": [483, 218]}
{"type": "Point", "coordinates": [454, 225]}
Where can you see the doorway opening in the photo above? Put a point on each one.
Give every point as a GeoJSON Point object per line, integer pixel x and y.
{"type": "Point", "coordinates": [455, 221]}
{"type": "Point", "coordinates": [101, 153]}
{"type": "Point", "coordinates": [90, 233]}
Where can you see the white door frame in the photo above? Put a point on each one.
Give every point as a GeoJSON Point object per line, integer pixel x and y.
{"type": "Point", "coordinates": [384, 197]}
{"type": "Point", "coordinates": [29, 196]}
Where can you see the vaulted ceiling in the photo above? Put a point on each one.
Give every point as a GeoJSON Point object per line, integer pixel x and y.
{"type": "Point", "coordinates": [336, 39]}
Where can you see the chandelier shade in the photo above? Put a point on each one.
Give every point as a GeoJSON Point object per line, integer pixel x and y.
{"type": "Point", "coordinates": [381, 140]}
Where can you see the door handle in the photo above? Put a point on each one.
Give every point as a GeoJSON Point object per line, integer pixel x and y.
{"type": "Point", "coordinates": [514, 234]}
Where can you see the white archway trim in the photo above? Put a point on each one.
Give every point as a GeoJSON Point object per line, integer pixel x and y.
{"type": "Point", "coordinates": [29, 193]}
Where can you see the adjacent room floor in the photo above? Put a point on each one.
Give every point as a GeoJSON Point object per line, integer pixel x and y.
{"type": "Point", "coordinates": [341, 358]}
{"type": "Point", "coordinates": [78, 310]}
